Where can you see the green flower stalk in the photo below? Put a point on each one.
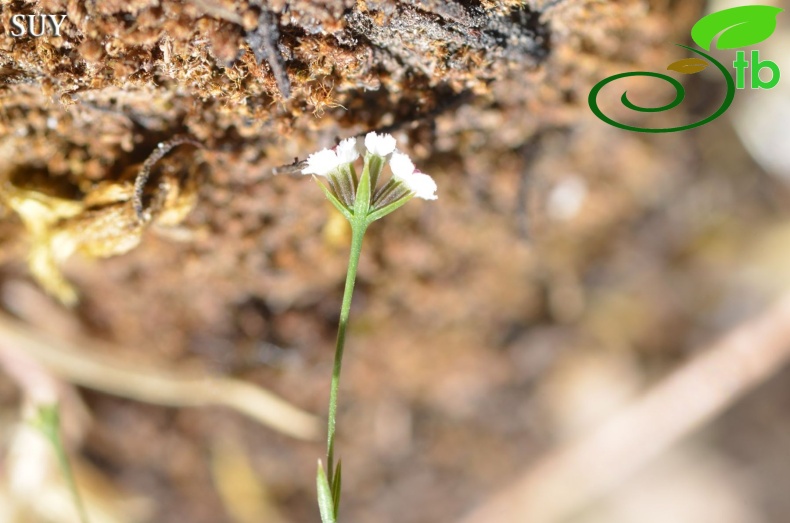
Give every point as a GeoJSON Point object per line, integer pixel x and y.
{"type": "Point", "coordinates": [47, 421]}
{"type": "Point", "coordinates": [361, 200]}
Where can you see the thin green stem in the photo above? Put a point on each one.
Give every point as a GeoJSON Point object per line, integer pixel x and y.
{"type": "Point", "coordinates": [358, 228]}
{"type": "Point", "coordinates": [65, 466]}
{"type": "Point", "coordinates": [48, 422]}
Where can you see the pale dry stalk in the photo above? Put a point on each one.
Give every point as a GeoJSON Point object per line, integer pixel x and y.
{"type": "Point", "coordinates": [570, 478]}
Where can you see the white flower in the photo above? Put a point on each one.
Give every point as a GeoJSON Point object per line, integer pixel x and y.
{"type": "Point", "coordinates": [321, 163]}
{"type": "Point", "coordinates": [419, 183]}
{"type": "Point", "coordinates": [337, 164]}
{"type": "Point", "coordinates": [347, 151]}
{"type": "Point", "coordinates": [327, 160]}
{"type": "Point", "coordinates": [379, 144]}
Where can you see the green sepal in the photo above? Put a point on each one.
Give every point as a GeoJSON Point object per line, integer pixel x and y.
{"type": "Point", "coordinates": [325, 501]}
{"type": "Point", "coordinates": [375, 215]}
{"type": "Point", "coordinates": [362, 202]}
{"type": "Point", "coordinates": [336, 485]}
{"type": "Point", "coordinates": [374, 164]}
{"type": "Point", "coordinates": [351, 172]}
{"type": "Point", "coordinates": [337, 203]}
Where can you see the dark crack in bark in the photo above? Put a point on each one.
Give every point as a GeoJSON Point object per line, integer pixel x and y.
{"type": "Point", "coordinates": [441, 37]}
{"type": "Point", "coordinates": [264, 41]}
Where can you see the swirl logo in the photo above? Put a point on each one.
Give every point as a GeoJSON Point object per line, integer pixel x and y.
{"type": "Point", "coordinates": [731, 28]}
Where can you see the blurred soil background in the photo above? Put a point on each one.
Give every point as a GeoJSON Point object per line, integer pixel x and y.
{"type": "Point", "coordinates": [566, 266]}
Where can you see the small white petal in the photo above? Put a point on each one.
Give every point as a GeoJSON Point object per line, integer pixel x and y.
{"type": "Point", "coordinates": [321, 163]}
{"type": "Point", "coordinates": [401, 165]}
{"type": "Point", "coordinates": [380, 144]}
{"type": "Point", "coordinates": [347, 151]}
{"type": "Point", "coordinates": [419, 183]}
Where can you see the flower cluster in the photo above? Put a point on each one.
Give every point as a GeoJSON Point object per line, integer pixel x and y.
{"type": "Point", "coordinates": [354, 195]}
{"type": "Point", "coordinates": [362, 200]}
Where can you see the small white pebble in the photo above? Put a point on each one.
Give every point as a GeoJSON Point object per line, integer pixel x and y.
{"type": "Point", "coordinates": [567, 198]}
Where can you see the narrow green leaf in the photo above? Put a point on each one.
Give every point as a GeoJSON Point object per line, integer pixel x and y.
{"type": "Point", "coordinates": [325, 504]}
{"type": "Point", "coordinates": [372, 217]}
{"type": "Point", "coordinates": [331, 197]}
{"type": "Point", "coordinates": [739, 27]}
{"type": "Point", "coordinates": [337, 482]}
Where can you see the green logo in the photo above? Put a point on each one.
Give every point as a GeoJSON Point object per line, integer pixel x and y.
{"type": "Point", "coordinates": [736, 27]}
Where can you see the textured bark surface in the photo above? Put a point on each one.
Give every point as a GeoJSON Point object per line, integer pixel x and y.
{"type": "Point", "coordinates": [465, 307]}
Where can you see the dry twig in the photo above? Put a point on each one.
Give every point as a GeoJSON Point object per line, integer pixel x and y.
{"type": "Point", "coordinates": [88, 366]}
{"type": "Point", "coordinates": [575, 475]}
{"type": "Point", "coordinates": [145, 171]}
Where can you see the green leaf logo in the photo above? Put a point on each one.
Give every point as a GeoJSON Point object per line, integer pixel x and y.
{"type": "Point", "coordinates": [738, 27]}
